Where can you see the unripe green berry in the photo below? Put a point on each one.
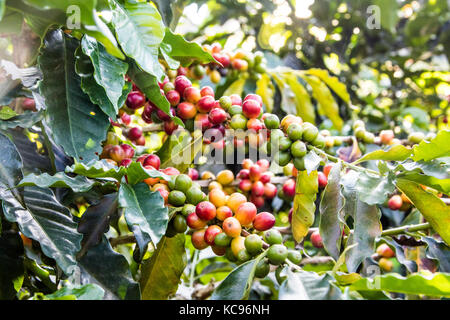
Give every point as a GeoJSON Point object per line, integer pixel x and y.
{"type": "Point", "coordinates": [273, 236]}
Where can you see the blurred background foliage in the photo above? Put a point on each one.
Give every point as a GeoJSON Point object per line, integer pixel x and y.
{"type": "Point", "coordinates": [393, 56]}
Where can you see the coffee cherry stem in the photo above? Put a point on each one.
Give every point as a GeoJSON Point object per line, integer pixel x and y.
{"type": "Point", "coordinates": [406, 229]}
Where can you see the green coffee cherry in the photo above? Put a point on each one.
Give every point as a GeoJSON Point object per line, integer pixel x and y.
{"type": "Point", "coordinates": [360, 133]}
{"type": "Point", "coordinates": [369, 137]}
{"type": "Point", "coordinates": [277, 254]}
{"type": "Point", "coordinates": [238, 121]}
{"type": "Point", "coordinates": [319, 142]}
{"type": "Point", "coordinates": [234, 110]}
{"type": "Point", "coordinates": [299, 164]}
{"type": "Point", "coordinates": [194, 195]}
{"type": "Point", "coordinates": [272, 122]}
{"type": "Point", "coordinates": [416, 137]}
{"type": "Point", "coordinates": [183, 182]}
{"type": "Point", "coordinates": [298, 149]}
{"type": "Point", "coordinates": [285, 143]}
{"type": "Point", "coordinates": [253, 244]}
{"type": "Point", "coordinates": [230, 255]}
{"type": "Point", "coordinates": [273, 236]}
{"type": "Point", "coordinates": [222, 240]}
{"type": "Point", "coordinates": [179, 224]}
{"type": "Point", "coordinates": [283, 158]}
{"type": "Point", "coordinates": [295, 131]}
{"type": "Point", "coordinates": [243, 256]}
{"type": "Point", "coordinates": [310, 132]}
{"type": "Point", "coordinates": [225, 102]}
{"type": "Point", "coordinates": [294, 256]}
{"type": "Point", "coordinates": [188, 209]}
{"type": "Point", "coordinates": [177, 198]}
{"type": "Point", "coordinates": [262, 268]}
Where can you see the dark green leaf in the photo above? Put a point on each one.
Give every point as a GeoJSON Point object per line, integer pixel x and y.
{"type": "Point", "coordinates": [374, 189]}
{"type": "Point", "coordinates": [161, 273]}
{"type": "Point", "coordinates": [331, 213]}
{"type": "Point", "coordinates": [86, 292]}
{"type": "Point", "coordinates": [78, 125]}
{"type": "Point", "coordinates": [137, 173]}
{"type": "Point", "coordinates": [97, 169]}
{"type": "Point", "coordinates": [439, 251]}
{"type": "Point", "coordinates": [146, 215]}
{"type": "Point", "coordinates": [24, 120]}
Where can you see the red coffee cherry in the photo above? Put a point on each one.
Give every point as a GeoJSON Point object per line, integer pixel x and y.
{"type": "Point", "coordinates": [125, 162]}
{"type": "Point", "coordinates": [29, 104]}
{"type": "Point", "coordinates": [128, 151]}
{"type": "Point", "coordinates": [217, 116]}
{"type": "Point", "coordinates": [211, 233]}
{"type": "Point", "coordinates": [186, 110]}
{"type": "Point", "coordinates": [316, 239]}
{"type": "Point", "coordinates": [134, 133]}
{"type": "Point", "coordinates": [245, 213]}
{"type": "Point", "coordinates": [385, 251]}
{"type": "Point", "coordinates": [232, 227]}
{"type": "Point", "coordinates": [135, 100]}
{"type": "Point", "coordinates": [140, 141]}
{"type": "Point", "coordinates": [198, 239]}
{"type": "Point", "coordinates": [395, 202]}
{"type": "Point", "coordinates": [254, 97]}
{"type": "Point", "coordinates": [266, 177]}
{"type": "Point", "coordinates": [270, 190]}
{"type": "Point", "coordinates": [205, 210]}
{"type": "Point", "coordinates": [245, 185]}
{"type": "Point", "coordinates": [257, 201]}
{"type": "Point", "coordinates": [117, 154]}
{"type": "Point", "coordinates": [264, 221]}
{"type": "Point", "coordinates": [194, 222]}
{"type": "Point", "coordinates": [251, 109]}
{"type": "Point", "coordinates": [206, 104]}
{"type": "Point", "coordinates": [126, 119]}
{"type": "Point", "coordinates": [254, 172]}
{"type": "Point", "coordinates": [258, 189]}
{"type": "Point", "coordinates": [173, 97]}
{"type": "Point", "coordinates": [181, 83]}
{"type": "Point", "coordinates": [236, 100]}
{"type": "Point", "coordinates": [243, 174]}
{"type": "Point", "coordinates": [152, 160]}
{"type": "Point", "coordinates": [192, 94]}
{"type": "Point", "coordinates": [323, 180]}
{"type": "Point", "coordinates": [207, 91]}
{"type": "Point", "coordinates": [203, 121]}
{"type": "Point", "coordinates": [264, 164]}
{"type": "Point", "coordinates": [193, 173]}
{"type": "Point", "coordinates": [289, 188]}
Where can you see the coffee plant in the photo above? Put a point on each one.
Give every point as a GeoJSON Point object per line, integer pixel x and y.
{"type": "Point", "coordinates": [136, 164]}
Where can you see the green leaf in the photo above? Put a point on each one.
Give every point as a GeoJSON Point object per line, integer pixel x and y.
{"type": "Point", "coordinates": [95, 221]}
{"type": "Point", "coordinates": [306, 285]}
{"type": "Point", "coordinates": [436, 148]}
{"type": "Point", "coordinates": [439, 251]}
{"type": "Point", "coordinates": [140, 31]}
{"type": "Point", "coordinates": [394, 153]}
{"type": "Point", "coordinates": [266, 90]}
{"type": "Point", "coordinates": [11, 268]}
{"type": "Point", "coordinates": [161, 273]}
{"type": "Point", "coordinates": [148, 84]}
{"type": "Point", "coordinates": [331, 213]}
{"type": "Point", "coordinates": [400, 255]}
{"type": "Point", "coordinates": [179, 151]}
{"type": "Point", "coordinates": [45, 220]}
{"type": "Point", "coordinates": [432, 284]}
{"type": "Point", "coordinates": [333, 82]}
{"type": "Point", "coordinates": [304, 204]}
{"type": "Point", "coordinates": [91, 23]}
{"type": "Point", "coordinates": [374, 189]}
{"type": "Point", "coordinates": [2, 9]}
{"type": "Point", "coordinates": [303, 106]}
{"type": "Point", "coordinates": [7, 113]}
{"type": "Point", "coordinates": [110, 270]}
{"type": "Point", "coordinates": [86, 292]}
{"type": "Point", "coordinates": [109, 73]}
{"type": "Point", "coordinates": [97, 169]}
{"type": "Point", "coordinates": [59, 180]}
{"type": "Point", "coordinates": [146, 215]}
{"type": "Point", "coordinates": [237, 285]}
{"type": "Point", "coordinates": [78, 125]}
{"type": "Point", "coordinates": [366, 221]}
{"type": "Point", "coordinates": [24, 120]}
{"type": "Point", "coordinates": [186, 52]}
{"type": "Point", "coordinates": [327, 105]}
{"type": "Point", "coordinates": [10, 166]}
{"type": "Point", "coordinates": [237, 87]}
{"type": "Point", "coordinates": [435, 211]}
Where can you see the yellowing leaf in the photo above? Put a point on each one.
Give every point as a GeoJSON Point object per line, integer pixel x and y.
{"type": "Point", "coordinates": [333, 82]}
{"type": "Point", "coordinates": [266, 90]}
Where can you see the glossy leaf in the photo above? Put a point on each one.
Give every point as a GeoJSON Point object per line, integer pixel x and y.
{"type": "Point", "coordinates": [146, 215]}
{"type": "Point", "coordinates": [394, 153]}
{"type": "Point", "coordinates": [266, 90]}
{"type": "Point", "coordinates": [304, 204]}
{"type": "Point", "coordinates": [436, 148]}
{"type": "Point", "coordinates": [237, 285]}
{"type": "Point", "coordinates": [140, 31]}
{"type": "Point", "coordinates": [437, 284]}
{"type": "Point", "coordinates": [439, 251]}
{"type": "Point", "coordinates": [45, 220]}
{"type": "Point", "coordinates": [331, 213]}
{"type": "Point", "coordinates": [97, 169]}
{"type": "Point", "coordinates": [137, 173]}
{"type": "Point", "coordinates": [78, 125]}
{"type": "Point", "coordinates": [306, 285]}
{"type": "Point", "coordinates": [161, 273]}
{"type": "Point", "coordinates": [374, 189]}
{"type": "Point", "coordinates": [186, 52]}
{"type": "Point", "coordinates": [400, 255]}
{"type": "Point", "coordinates": [59, 180]}
{"type": "Point", "coordinates": [24, 120]}
{"type": "Point", "coordinates": [110, 270]}
{"type": "Point", "coordinates": [435, 211]}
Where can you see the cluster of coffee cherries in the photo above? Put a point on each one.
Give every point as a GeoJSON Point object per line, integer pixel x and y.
{"type": "Point", "coordinates": [255, 181]}
{"type": "Point", "coordinates": [386, 256]}
{"type": "Point", "coordinates": [232, 64]}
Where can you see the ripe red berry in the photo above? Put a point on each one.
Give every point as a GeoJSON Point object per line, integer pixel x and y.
{"type": "Point", "coordinates": [254, 97]}
{"type": "Point", "coordinates": [289, 188]}
{"type": "Point", "coordinates": [290, 215]}
{"type": "Point", "coordinates": [194, 222]}
{"type": "Point", "coordinates": [265, 177]}
{"type": "Point", "coordinates": [316, 239]}
{"type": "Point", "coordinates": [395, 202]}
{"type": "Point", "coordinates": [245, 185]}
{"type": "Point", "coordinates": [384, 250]}
{"type": "Point", "coordinates": [254, 124]}
{"type": "Point", "coordinates": [258, 189]}
{"type": "Point", "coordinates": [236, 100]}
{"type": "Point", "coordinates": [117, 154]}
{"type": "Point", "coordinates": [140, 141]}
{"type": "Point", "coordinates": [206, 104]}
{"type": "Point", "coordinates": [323, 180]}
{"type": "Point", "coordinates": [205, 210]}
{"type": "Point", "coordinates": [207, 91]}
{"type": "Point", "coordinates": [211, 233]}
{"type": "Point", "coordinates": [182, 71]}
{"type": "Point", "coordinates": [202, 121]}
{"type": "Point", "coordinates": [217, 116]}
{"type": "Point", "coordinates": [170, 126]}
{"type": "Point", "coordinates": [128, 151]}
{"type": "Point", "coordinates": [164, 116]}
{"type": "Point", "coordinates": [264, 221]}
{"type": "Point", "coordinates": [264, 164]}
{"type": "Point", "coordinates": [181, 83]}
{"type": "Point", "coordinates": [257, 201]}
{"type": "Point", "coordinates": [152, 160]}
{"type": "Point", "coordinates": [254, 172]}
{"type": "Point", "coordinates": [135, 100]}
{"type": "Point", "coordinates": [327, 169]}
{"type": "Point", "coordinates": [270, 190]}
{"type": "Point", "coordinates": [223, 59]}
{"type": "Point", "coordinates": [186, 110]}
{"type": "Point", "coordinates": [245, 213]}
{"type": "Point", "coordinates": [198, 240]}
{"type": "Point", "coordinates": [126, 119]}
{"type": "Point", "coordinates": [29, 104]}
{"type": "Point", "coordinates": [125, 162]}
{"type": "Point", "coordinates": [251, 109]}
{"type": "Point", "coordinates": [193, 174]}
{"type": "Point", "coordinates": [173, 97]}
{"type": "Point", "coordinates": [171, 171]}
{"type": "Point", "coordinates": [243, 174]}
{"type": "Point", "coordinates": [192, 94]}
{"type": "Point", "coordinates": [134, 133]}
